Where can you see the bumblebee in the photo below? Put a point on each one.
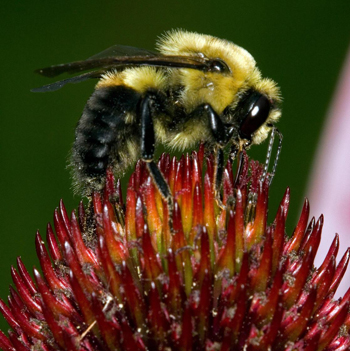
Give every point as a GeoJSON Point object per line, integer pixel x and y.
{"type": "Point", "coordinates": [195, 88]}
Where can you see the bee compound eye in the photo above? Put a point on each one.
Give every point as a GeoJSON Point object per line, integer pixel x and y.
{"type": "Point", "coordinates": [257, 115]}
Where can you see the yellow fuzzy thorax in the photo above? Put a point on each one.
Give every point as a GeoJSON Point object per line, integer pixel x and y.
{"type": "Point", "coordinates": [217, 89]}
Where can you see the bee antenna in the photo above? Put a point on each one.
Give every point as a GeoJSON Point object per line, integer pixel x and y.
{"type": "Point", "coordinates": [269, 153]}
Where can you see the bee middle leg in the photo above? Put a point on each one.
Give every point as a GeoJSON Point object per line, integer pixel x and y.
{"type": "Point", "coordinates": [147, 154]}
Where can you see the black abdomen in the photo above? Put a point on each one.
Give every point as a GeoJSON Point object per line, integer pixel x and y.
{"type": "Point", "coordinates": [105, 134]}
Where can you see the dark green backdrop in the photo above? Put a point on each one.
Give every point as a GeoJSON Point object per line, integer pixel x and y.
{"type": "Point", "coordinates": [300, 44]}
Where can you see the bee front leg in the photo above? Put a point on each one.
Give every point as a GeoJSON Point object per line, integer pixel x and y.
{"type": "Point", "coordinates": [218, 173]}
{"type": "Point", "coordinates": [221, 136]}
{"type": "Point", "coordinates": [147, 154]}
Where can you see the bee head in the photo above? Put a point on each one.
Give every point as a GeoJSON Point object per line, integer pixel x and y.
{"type": "Point", "coordinates": [256, 111]}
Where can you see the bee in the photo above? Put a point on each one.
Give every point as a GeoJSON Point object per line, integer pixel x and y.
{"type": "Point", "coordinates": [195, 88]}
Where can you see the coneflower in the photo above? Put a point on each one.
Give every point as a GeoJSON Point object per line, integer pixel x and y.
{"type": "Point", "coordinates": [117, 277]}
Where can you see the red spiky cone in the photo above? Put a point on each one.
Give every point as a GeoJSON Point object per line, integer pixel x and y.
{"type": "Point", "coordinates": [116, 277]}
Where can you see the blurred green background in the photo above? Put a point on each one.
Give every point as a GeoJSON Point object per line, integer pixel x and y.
{"type": "Point", "coordinates": [300, 44]}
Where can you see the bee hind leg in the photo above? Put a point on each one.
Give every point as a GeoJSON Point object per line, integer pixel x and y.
{"type": "Point", "coordinates": [147, 154]}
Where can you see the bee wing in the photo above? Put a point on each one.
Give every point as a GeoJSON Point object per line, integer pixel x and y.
{"type": "Point", "coordinates": [119, 63]}
{"type": "Point", "coordinates": [118, 57]}
{"type": "Point", "coordinates": [122, 62]}
{"type": "Point", "coordinates": [59, 84]}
